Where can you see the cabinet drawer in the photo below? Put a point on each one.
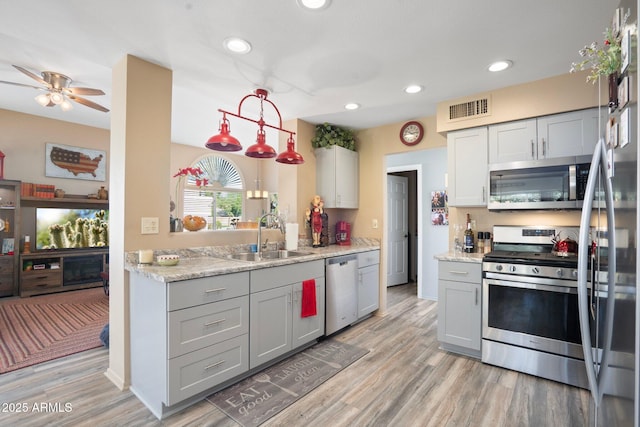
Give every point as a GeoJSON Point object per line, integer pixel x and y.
{"type": "Point", "coordinates": [189, 293]}
{"type": "Point", "coordinates": [366, 259]}
{"type": "Point", "coordinates": [460, 271]}
{"type": "Point", "coordinates": [43, 279]}
{"type": "Point", "coordinates": [204, 325]}
{"type": "Point", "coordinates": [6, 264]}
{"type": "Point", "coordinates": [203, 369]}
{"type": "Point", "coordinates": [274, 277]}
{"type": "Point", "coordinates": [6, 284]}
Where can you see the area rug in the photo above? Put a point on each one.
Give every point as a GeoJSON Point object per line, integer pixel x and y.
{"type": "Point", "coordinates": [46, 327]}
{"type": "Point", "coordinates": [256, 399]}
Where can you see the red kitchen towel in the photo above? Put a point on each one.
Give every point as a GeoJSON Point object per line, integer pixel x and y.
{"type": "Point", "coordinates": [309, 298]}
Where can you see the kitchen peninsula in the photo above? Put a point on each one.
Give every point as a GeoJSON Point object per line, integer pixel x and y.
{"type": "Point", "coordinates": [199, 326]}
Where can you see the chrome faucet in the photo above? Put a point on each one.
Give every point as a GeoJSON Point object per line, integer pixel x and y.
{"type": "Point", "coordinates": [280, 226]}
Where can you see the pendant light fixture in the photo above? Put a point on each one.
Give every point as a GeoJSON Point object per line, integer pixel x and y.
{"type": "Point", "coordinates": [260, 150]}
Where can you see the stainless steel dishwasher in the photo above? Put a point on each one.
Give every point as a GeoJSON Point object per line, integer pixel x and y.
{"type": "Point", "coordinates": [341, 292]}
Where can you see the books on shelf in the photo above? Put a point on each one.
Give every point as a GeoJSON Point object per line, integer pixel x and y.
{"type": "Point", "coordinates": [43, 191]}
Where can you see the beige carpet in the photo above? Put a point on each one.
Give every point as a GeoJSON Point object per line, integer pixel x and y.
{"type": "Point", "coordinates": [46, 327]}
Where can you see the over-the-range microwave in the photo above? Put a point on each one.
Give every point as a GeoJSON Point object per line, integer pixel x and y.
{"type": "Point", "coordinates": [539, 184]}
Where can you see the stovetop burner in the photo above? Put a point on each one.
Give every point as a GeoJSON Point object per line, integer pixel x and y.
{"type": "Point", "coordinates": [533, 258]}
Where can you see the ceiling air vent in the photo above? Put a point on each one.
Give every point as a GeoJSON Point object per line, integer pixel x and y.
{"type": "Point", "coordinates": [469, 110]}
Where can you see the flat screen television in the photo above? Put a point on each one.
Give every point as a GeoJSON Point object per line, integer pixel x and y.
{"type": "Point", "coordinates": [67, 228]}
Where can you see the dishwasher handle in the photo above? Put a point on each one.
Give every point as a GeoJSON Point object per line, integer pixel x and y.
{"type": "Point", "coordinates": [342, 260]}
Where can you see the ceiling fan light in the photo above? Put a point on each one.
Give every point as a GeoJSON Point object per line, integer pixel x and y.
{"type": "Point", "coordinates": [43, 99]}
{"type": "Point", "coordinates": [57, 98]}
{"type": "Point", "coordinates": [66, 105]}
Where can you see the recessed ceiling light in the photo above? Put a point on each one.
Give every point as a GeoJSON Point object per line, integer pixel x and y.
{"type": "Point", "coordinates": [237, 45]}
{"type": "Point", "coordinates": [413, 89]}
{"type": "Point", "coordinates": [500, 65]}
{"type": "Point", "coordinates": [314, 4]}
{"type": "Point", "coordinates": [351, 106]}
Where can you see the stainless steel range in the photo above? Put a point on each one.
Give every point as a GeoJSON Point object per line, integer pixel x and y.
{"type": "Point", "coordinates": [530, 320]}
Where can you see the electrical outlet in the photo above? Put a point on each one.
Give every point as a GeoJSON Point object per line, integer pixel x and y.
{"type": "Point", "coordinates": [374, 223]}
{"type": "Point", "coordinates": [149, 225]}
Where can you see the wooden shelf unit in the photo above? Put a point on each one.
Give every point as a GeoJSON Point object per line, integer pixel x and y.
{"type": "Point", "coordinates": [62, 270]}
{"type": "Point", "coordinates": [70, 201]}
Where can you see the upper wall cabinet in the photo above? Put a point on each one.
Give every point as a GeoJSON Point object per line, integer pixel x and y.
{"type": "Point", "coordinates": [558, 135]}
{"type": "Point", "coordinates": [467, 167]}
{"type": "Point", "coordinates": [337, 177]}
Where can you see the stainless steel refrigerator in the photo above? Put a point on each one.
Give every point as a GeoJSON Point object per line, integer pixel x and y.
{"type": "Point", "coordinates": [607, 268]}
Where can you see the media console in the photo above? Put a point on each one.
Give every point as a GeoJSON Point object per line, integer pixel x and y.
{"type": "Point", "coordinates": [62, 270]}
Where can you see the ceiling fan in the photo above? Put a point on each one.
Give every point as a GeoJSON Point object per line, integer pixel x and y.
{"type": "Point", "coordinates": [57, 88]}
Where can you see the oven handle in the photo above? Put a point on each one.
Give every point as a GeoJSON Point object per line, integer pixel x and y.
{"type": "Point", "coordinates": [533, 286]}
{"type": "Point", "coordinates": [597, 377]}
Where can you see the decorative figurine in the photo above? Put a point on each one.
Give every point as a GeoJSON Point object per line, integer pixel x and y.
{"type": "Point", "coordinates": [317, 220]}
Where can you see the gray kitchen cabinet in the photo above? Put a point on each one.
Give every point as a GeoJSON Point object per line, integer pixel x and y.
{"type": "Point", "coordinates": [559, 135]}
{"type": "Point", "coordinates": [187, 337]}
{"type": "Point", "coordinates": [467, 167]}
{"type": "Point", "coordinates": [276, 325]}
{"type": "Point", "coordinates": [460, 307]}
{"type": "Point", "coordinates": [337, 177]}
{"type": "Point", "coordinates": [368, 282]}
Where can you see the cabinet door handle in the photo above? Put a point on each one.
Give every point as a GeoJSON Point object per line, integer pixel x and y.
{"type": "Point", "coordinates": [458, 272]}
{"type": "Point", "coordinates": [476, 296]}
{"type": "Point", "coordinates": [214, 365]}
{"type": "Point", "coordinates": [544, 148]}
{"type": "Point", "coordinates": [533, 147]}
{"type": "Point", "coordinates": [208, 291]}
{"type": "Point", "coordinates": [484, 194]}
{"type": "Point", "coordinates": [215, 322]}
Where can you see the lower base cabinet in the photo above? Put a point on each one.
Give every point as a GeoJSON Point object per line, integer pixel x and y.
{"type": "Point", "coordinates": [186, 338]}
{"type": "Point", "coordinates": [276, 325]}
{"type": "Point", "coordinates": [194, 337]}
{"type": "Point", "coordinates": [368, 283]}
{"type": "Point", "coordinates": [460, 307]}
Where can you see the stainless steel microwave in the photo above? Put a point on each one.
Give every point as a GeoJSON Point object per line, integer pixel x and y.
{"type": "Point", "coordinates": [539, 184]}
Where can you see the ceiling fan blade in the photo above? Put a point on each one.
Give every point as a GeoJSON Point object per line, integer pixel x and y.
{"type": "Point", "coordinates": [33, 76]}
{"type": "Point", "coordinates": [83, 91]}
{"type": "Point", "coordinates": [23, 85]}
{"type": "Point", "coordinates": [88, 103]}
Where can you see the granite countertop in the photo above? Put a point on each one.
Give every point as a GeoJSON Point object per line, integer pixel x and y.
{"type": "Point", "coordinates": [212, 262]}
{"type": "Point", "coordinates": [460, 256]}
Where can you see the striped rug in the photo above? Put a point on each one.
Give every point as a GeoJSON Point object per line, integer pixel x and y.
{"type": "Point", "coordinates": [41, 328]}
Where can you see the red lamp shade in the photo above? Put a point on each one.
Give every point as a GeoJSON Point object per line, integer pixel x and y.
{"type": "Point", "coordinates": [261, 150]}
{"type": "Point", "coordinates": [223, 141]}
{"type": "Point", "coordinates": [1, 165]}
{"type": "Point", "coordinates": [290, 157]}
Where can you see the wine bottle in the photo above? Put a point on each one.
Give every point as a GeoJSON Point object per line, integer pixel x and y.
{"type": "Point", "coordinates": [468, 237]}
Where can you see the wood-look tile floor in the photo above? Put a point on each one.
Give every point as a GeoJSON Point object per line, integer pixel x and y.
{"type": "Point", "coordinates": [405, 380]}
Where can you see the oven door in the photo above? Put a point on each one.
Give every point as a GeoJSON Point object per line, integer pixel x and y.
{"type": "Point", "coordinates": [531, 312]}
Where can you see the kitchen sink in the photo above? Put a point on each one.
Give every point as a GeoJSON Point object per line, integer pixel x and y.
{"type": "Point", "coordinates": [267, 255]}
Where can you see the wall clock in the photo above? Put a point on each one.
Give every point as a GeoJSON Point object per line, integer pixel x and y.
{"type": "Point", "coordinates": [411, 133]}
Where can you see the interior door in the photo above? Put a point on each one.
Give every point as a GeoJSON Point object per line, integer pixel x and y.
{"type": "Point", "coordinates": [398, 230]}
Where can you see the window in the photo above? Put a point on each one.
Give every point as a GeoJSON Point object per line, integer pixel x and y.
{"type": "Point", "coordinates": [220, 201]}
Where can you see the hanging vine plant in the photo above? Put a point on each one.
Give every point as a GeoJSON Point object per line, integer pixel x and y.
{"type": "Point", "coordinates": [328, 135]}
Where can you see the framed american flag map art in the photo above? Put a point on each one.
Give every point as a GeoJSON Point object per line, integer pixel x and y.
{"type": "Point", "coordinates": [64, 161]}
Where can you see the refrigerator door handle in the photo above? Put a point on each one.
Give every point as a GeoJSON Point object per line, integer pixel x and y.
{"type": "Point", "coordinates": [596, 377]}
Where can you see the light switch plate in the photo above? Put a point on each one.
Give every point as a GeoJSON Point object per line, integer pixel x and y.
{"type": "Point", "coordinates": [149, 225]}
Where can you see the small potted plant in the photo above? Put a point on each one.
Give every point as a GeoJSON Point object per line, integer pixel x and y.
{"type": "Point", "coordinates": [328, 135]}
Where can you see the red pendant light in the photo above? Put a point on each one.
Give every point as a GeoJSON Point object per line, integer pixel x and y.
{"type": "Point", "coordinates": [224, 141]}
{"type": "Point", "coordinates": [261, 150]}
{"type": "Point", "coordinates": [290, 157]}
